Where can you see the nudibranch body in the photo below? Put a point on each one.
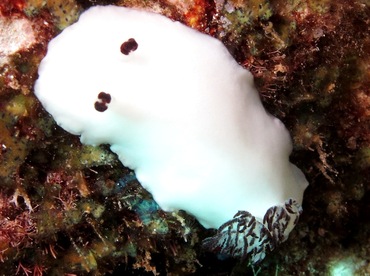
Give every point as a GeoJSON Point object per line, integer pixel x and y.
{"type": "Point", "coordinates": [178, 109]}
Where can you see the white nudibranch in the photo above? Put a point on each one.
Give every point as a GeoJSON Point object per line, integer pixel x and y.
{"type": "Point", "coordinates": [179, 110]}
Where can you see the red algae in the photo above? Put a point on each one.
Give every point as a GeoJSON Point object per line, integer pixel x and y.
{"type": "Point", "coordinates": [11, 7]}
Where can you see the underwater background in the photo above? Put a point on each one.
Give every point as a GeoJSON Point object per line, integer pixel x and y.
{"type": "Point", "coordinates": [72, 209]}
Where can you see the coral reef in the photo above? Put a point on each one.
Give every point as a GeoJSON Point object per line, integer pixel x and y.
{"type": "Point", "coordinates": [69, 208]}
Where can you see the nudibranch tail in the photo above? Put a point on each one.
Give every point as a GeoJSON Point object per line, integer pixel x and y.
{"type": "Point", "coordinates": [246, 235]}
